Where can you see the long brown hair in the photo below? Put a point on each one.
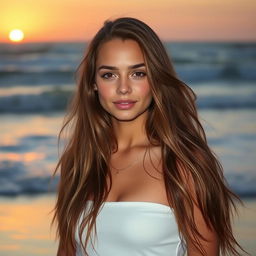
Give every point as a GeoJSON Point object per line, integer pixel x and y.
{"type": "Point", "coordinates": [172, 122]}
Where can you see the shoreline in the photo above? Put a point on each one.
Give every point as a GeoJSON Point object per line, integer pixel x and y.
{"type": "Point", "coordinates": [25, 226]}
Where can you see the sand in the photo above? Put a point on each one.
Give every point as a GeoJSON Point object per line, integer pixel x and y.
{"type": "Point", "coordinates": [25, 226]}
{"type": "Point", "coordinates": [245, 226]}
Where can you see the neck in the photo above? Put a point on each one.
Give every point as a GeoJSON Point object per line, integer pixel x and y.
{"type": "Point", "coordinates": [130, 134]}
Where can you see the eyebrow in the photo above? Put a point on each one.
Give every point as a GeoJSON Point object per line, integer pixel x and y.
{"type": "Point", "coordinates": [115, 68]}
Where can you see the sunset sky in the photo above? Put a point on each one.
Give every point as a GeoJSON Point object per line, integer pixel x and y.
{"type": "Point", "coordinates": [78, 20]}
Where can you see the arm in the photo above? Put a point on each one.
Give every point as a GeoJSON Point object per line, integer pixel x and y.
{"type": "Point", "coordinates": [62, 252]}
{"type": "Point", "coordinates": [211, 246]}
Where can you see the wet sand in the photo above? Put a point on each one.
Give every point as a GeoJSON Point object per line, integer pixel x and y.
{"type": "Point", "coordinates": [25, 226]}
{"type": "Point", "coordinates": [245, 226]}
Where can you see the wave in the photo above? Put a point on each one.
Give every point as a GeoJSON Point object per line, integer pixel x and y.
{"type": "Point", "coordinates": [57, 100]}
{"type": "Point", "coordinates": [214, 53]}
{"type": "Point", "coordinates": [54, 100]}
{"type": "Point", "coordinates": [227, 102]}
{"type": "Point", "coordinates": [20, 49]}
{"type": "Point", "coordinates": [15, 181]}
{"type": "Point", "coordinates": [66, 74]}
{"type": "Point", "coordinates": [198, 73]}
{"type": "Point", "coordinates": [242, 183]}
{"type": "Point", "coordinates": [38, 63]}
{"type": "Point", "coordinates": [12, 78]}
{"type": "Point", "coordinates": [41, 48]}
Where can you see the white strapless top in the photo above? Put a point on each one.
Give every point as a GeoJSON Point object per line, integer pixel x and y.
{"type": "Point", "coordinates": [134, 229]}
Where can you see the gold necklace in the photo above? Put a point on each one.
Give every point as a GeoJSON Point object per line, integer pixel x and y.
{"type": "Point", "coordinates": [130, 165]}
{"type": "Point", "coordinates": [124, 168]}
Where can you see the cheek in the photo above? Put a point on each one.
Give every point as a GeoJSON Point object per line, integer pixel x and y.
{"type": "Point", "coordinates": [105, 95]}
{"type": "Point", "coordinates": [104, 92]}
{"type": "Point", "coordinates": [145, 90]}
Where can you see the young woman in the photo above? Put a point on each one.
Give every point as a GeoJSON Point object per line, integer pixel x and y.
{"type": "Point", "coordinates": [137, 176]}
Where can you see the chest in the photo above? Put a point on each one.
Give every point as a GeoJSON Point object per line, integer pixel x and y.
{"type": "Point", "coordinates": [143, 182]}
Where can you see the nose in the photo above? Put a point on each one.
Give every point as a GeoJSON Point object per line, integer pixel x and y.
{"type": "Point", "coordinates": [124, 86]}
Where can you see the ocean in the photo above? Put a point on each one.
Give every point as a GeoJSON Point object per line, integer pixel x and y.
{"type": "Point", "coordinates": [38, 79]}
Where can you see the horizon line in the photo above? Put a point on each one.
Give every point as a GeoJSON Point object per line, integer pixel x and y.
{"type": "Point", "coordinates": [163, 40]}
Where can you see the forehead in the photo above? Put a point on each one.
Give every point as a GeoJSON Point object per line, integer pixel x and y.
{"type": "Point", "coordinates": [119, 51]}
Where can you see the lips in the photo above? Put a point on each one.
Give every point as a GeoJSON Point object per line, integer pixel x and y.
{"type": "Point", "coordinates": [124, 104]}
{"type": "Point", "coordinates": [124, 101]}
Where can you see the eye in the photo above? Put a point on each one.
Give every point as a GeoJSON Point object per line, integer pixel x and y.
{"type": "Point", "coordinates": [107, 75]}
{"type": "Point", "coordinates": [139, 74]}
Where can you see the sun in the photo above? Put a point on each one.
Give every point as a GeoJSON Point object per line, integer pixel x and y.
{"type": "Point", "coordinates": [16, 35]}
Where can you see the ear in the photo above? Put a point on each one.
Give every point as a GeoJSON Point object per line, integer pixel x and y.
{"type": "Point", "coordinates": [95, 87]}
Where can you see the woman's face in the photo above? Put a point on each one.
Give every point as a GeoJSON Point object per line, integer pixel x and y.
{"type": "Point", "coordinates": [121, 79]}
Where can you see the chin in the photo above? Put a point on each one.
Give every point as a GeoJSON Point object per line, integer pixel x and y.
{"type": "Point", "coordinates": [128, 117]}
{"type": "Point", "coordinates": [124, 119]}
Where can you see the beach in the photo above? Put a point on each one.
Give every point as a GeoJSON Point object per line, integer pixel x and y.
{"type": "Point", "coordinates": [25, 226]}
{"type": "Point", "coordinates": [245, 226]}
{"type": "Point", "coordinates": [37, 81]}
